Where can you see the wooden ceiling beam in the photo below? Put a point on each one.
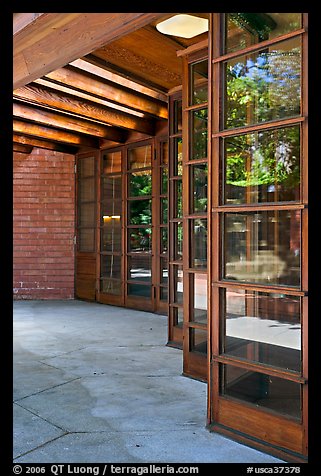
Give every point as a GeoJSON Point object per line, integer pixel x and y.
{"type": "Point", "coordinates": [48, 41]}
{"type": "Point", "coordinates": [47, 133]}
{"type": "Point", "coordinates": [22, 148]}
{"type": "Point", "coordinates": [91, 84]}
{"type": "Point", "coordinates": [68, 122]}
{"type": "Point", "coordinates": [28, 142]}
{"type": "Point", "coordinates": [50, 98]}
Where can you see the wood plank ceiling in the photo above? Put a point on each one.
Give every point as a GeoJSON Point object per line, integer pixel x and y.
{"type": "Point", "coordinates": [90, 80]}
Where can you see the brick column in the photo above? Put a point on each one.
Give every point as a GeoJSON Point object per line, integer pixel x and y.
{"type": "Point", "coordinates": [43, 225]}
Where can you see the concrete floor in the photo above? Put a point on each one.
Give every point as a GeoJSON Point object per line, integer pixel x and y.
{"type": "Point", "coordinates": [97, 384]}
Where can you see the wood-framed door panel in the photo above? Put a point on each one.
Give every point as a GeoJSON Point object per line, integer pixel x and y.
{"type": "Point", "coordinates": [86, 236]}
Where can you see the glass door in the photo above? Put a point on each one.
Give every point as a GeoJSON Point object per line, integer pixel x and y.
{"type": "Point", "coordinates": [140, 228]}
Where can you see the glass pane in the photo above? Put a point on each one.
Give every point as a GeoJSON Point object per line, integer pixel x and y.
{"type": "Point", "coordinates": [111, 188]}
{"type": "Point", "coordinates": [262, 327]}
{"type": "Point", "coordinates": [177, 284]}
{"type": "Point", "coordinates": [199, 76]}
{"type": "Point", "coordinates": [198, 127]}
{"type": "Point", "coordinates": [198, 341]}
{"type": "Point", "coordinates": [198, 232]}
{"type": "Point", "coordinates": [164, 153]}
{"type": "Point", "coordinates": [264, 86]}
{"type": "Point", "coordinates": [178, 240]}
{"type": "Point", "coordinates": [140, 268]}
{"type": "Point", "coordinates": [198, 288]}
{"type": "Point", "coordinates": [140, 239]}
{"type": "Point", "coordinates": [164, 180]}
{"type": "Point", "coordinates": [163, 270]}
{"type": "Point", "coordinates": [198, 182]}
{"type": "Point", "coordinates": [111, 235]}
{"type": "Point", "coordinates": [110, 286]}
{"type": "Point", "coordinates": [164, 210]}
{"type": "Point", "coordinates": [177, 116]}
{"type": "Point", "coordinates": [140, 212]}
{"type": "Point", "coordinates": [177, 316]}
{"type": "Point", "coordinates": [86, 239]}
{"type": "Point", "coordinates": [110, 266]}
{"type": "Point", "coordinates": [163, 294]}
{"type": "Point", "coordinates": [86, 215]}
{"type": "Point", "coordinates": [178, 156]}
{"type": "Point", "coordinates": [111, 209]}
{"type": "Point", "coordinates": [263, 247]}
{"type": "Point", "coordinates": [140, 157]}
{"type": "Point", "coordinates": [178, 199]}
{"type": "Point", "coordinates": [139, 290]}
{"type": "Point", "coordinates": [140, 183]}
{"type": "Point", "coordinates": [164, 240]}
{"type": "Point", "coordinates": [86, 167]}
{"type": "Point", "coordinates": [112, 162]}
{"type": "Point", "coordinates": [245, 29]}
{"type": "Point", "coordinates": [262, 167]}
{"type": "Point", "coordinates": [86, 190]}
{"type": "Point", "coordinates": [273, 393]}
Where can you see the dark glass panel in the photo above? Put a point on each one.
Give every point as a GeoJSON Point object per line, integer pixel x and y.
{"type": "Point", "coordinates": [86, 215]}
{"type": "Point", "coordinates": [199, 82]}
{"type": "Point", "coordinates": [86, 190]}
{"type": "Point", "coordinates": [86, 167]}
{"type": "Point", "coordinates": [177, 316]}
{"type": "Point", "coordinates": [112, 163]}
{"type": "Point", "coordinates": [178, 156]}
{"type": "Point", "coordinates": [140, 212]}
{"type": "Point", "coordinates": [164, 210]}
{"type": "Point", "coordinates": [178, 240]}
{"type": "Point", "coordinates": [111, 286]}
{"type": "Point", "coordinates": [164, 153]}
{"type": "Point", "coordinates": [164, 240]}
{"type": "Point", "coordinates": [178, 284]}
{"type": "Point", "coordinates": [260, 390]}
{"type": "Point", "coordinates": [262, 167]}
{"type": "Point", "coordinates": [110, 266]}
{"type": "Point", "coordinates": [86, 239]}
{"type": "Point", "coordinates": [140, 183]}
{"type": "Point", "coordinates": [111, 209]}
{"type": "Point", "coordinates": [198, 235]}
{"type": "Point", "coordinates": [198, 341]}
{"type": "Point", "coordinates": [245, 29]}
{"type": "Point", "coordinates": [198, 128]}
{"type": "Point", "coordinates": [164, 180]}
{"type": "Point", "coordinates": [140, 157]}
{"type": "Point", "coordinates": [198, 181]}
{"type": "Point", "coordinates": [198, 289]}
{"type": "Point", "coordinates": [178, 203]}
{"type": "Point", "coordinates": [140, 268]}
{"type": "Point", "coordinates": [163, 270]}
{"type": "Point", "coordinates": [111, 188]}
{"type": "Point", "coordinates": [262, 327]}
{"type": "Point", "coordinates": [263, 247]}
{"type": "Point", "coordinates": [264, 86]}
{"type": "Point", "coordinates": [177, 116]}
{"type": "Point", "coordinates": [163, 294]}
{"type": "Point", "coordinates": [140, 239]}
{"type": "Point", "coordinates": [139, 290]}
{"type": "Point", "coordinates": [111, 235]}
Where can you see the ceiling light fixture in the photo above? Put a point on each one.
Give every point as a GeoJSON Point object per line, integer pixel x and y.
{"type": "Point", "coordinates": [185, 26]}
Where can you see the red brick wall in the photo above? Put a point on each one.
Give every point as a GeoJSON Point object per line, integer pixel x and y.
{"type": "Point", "coordinates": [43, 225]}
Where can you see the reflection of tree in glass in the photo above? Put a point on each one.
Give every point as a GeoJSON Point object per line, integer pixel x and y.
{"type": "Point", "coordinates": [199, 150]}
{"type": "Point", "coordinates": [199, 182]}
{"type": "Point", "coordinates": [140, 212]}
{"type": "Point", "coordinates": [140, 183]}
{"type": "Point", "coordinates": [270, 158]}
{"type": "Point", "coordinates": [263, 87]}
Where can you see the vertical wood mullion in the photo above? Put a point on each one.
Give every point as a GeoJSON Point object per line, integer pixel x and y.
{"type": "Point", "coordinates": [215, 50]}
{"type": "Point", "coordinates": [98, 230]}
{"type": "Point", "coordinates": [185, 202]}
